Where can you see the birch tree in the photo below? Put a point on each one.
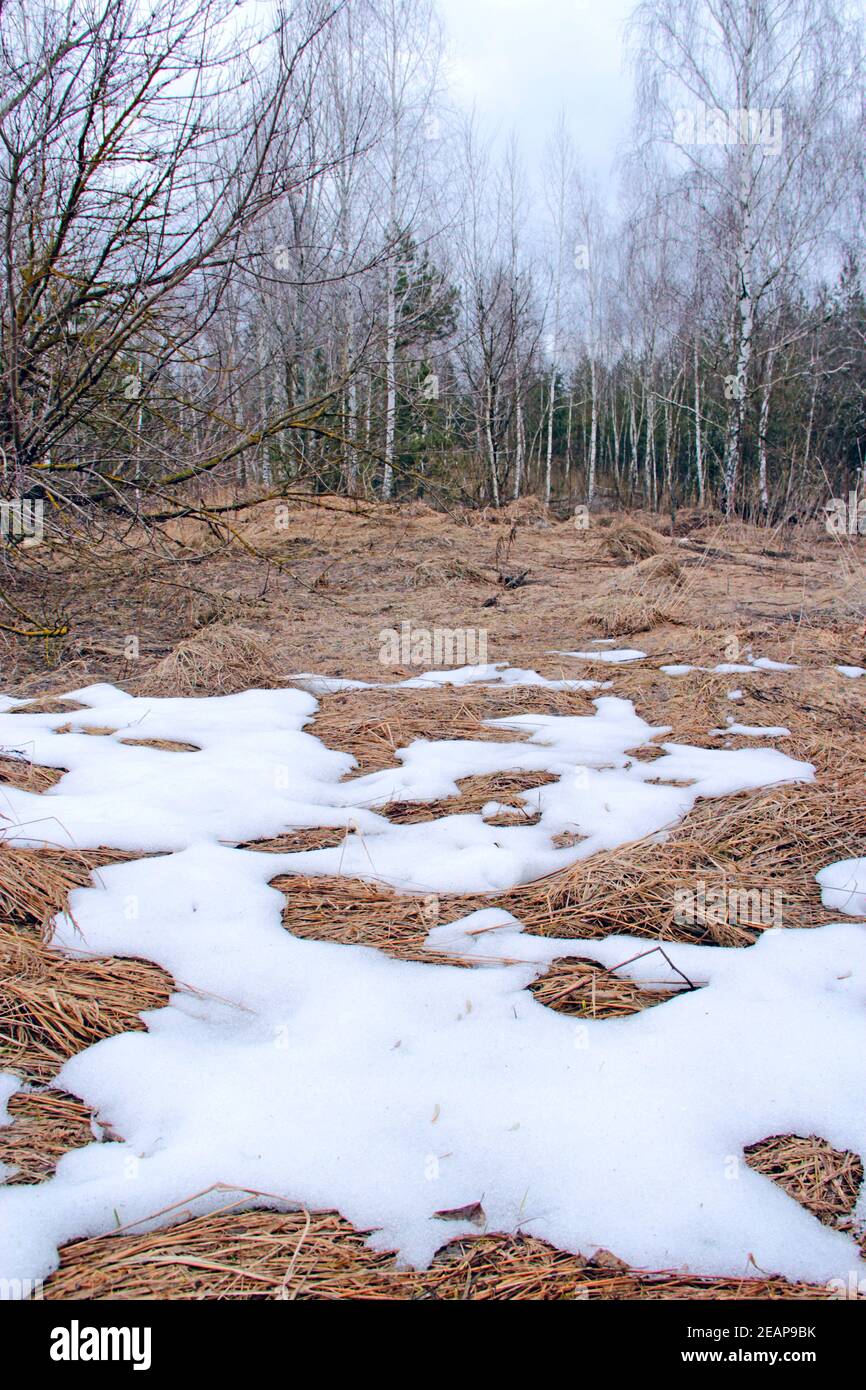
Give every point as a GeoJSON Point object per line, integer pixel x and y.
{"type": "Point", "coordinates": [757, 98]}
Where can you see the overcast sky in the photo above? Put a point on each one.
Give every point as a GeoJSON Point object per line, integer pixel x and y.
{"type": "Point", "coordinates": [522, 61]}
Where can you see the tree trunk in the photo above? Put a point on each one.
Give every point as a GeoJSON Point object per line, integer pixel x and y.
{"type": "Point", "coordinates": [737, 384]}
{"type": "Point", "coordinates": [699, 442]}
{"type": "Point", "coordinates": [549, 459]}
{"type": "Point", "coordinates": [593, 431]}
{"type": "Point", "coordinates": [762, 433]}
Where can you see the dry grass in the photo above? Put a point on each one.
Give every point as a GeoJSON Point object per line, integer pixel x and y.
{"type": "Point", "coordinates": [526, 511]}
{"type": "Point", "coordinates": [93, 730]}
{"type": "Point", "coordinates": [585, 989]}
{"type": "Point", "coordinates": [766, 841]}
{"type": "Point", "coordinates": [629, 540]}
{"type": "Point", "coordinates": [54, 1006]}
{"type": "Point", "coordinates": [432, 572]}
{"type": "Point", "coordinates": [646, 595]}
{"type": "Point", "coordinates": [826, 1180]}
{"type": "Point", "coordinates": [35, 884]}
{"type": "Point", "coordinates": [797, 609]}
{"type": "Point", "coordinates": [206, 610]}
{"type": "Point", "coordinates": [664, 567]}
{"type": "Point", "coordinates": [624, 615]}
{"type": "Point", "coordinates": [374, 724]}
{"type": "Point", "coordinates": [355, 913]}
{"type": "Point", "coordinates": [45, 1125]}
{"type": "Point", "coordinates": [221, 659]}
{"type": "Point", "coordinates": [508, 789]}
{"type": "Point", "coordinates": [26, 776]}
{"type": "Point", "coordinates": [296, 841]}
{"type": "Point", "coordinates": [165, 745]}
{"type": "Point", "coordinates": [299, 1255]}
{"type": "Point", "coordinates": [46, 706]}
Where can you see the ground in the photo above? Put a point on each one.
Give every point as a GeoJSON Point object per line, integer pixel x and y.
{"type": "Point", "coordinates": [263, 594]}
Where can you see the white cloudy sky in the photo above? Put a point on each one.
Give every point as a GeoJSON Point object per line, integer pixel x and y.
{"type": "Point", "coordinates": [521, 62]}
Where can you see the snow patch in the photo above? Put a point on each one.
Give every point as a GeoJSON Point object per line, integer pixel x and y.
{"type": "Point", "coordinates": [332, 1076]}
{"type": "Point", "coordinates": [843, 886]}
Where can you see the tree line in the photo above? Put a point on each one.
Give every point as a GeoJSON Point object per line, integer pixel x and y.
{"type": "Point", "coordinates": [272, 254]}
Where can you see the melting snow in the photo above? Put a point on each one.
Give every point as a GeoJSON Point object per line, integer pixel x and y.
{"type": "Point", "coordinates": [843, 886]}
{"type": "Point", "coordinates": [496, 674]}
{"type": "Point", "coordinates": [332, 1076]}
{"type": "Point", "coordinates": [616, 656]}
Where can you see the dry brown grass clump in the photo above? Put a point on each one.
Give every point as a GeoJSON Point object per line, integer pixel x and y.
{"type": "Point", "coordinates": [221, 659]}
{"type": "Point", "coordinates": [54, 1006]}
{"type": "Point", "coordinates": [506, 788]}
{"type": "Point", "coordinates": [35, 883]}
{"type": "Point", "coordinates": [206, 610]}
{"type": "Point", "coordinates": [296, 841]}
{"type": "Point", "coordinates": [647, 595]}
{"type": "Point", "coordinates": [623, 615]}
{"type": "Point", "coordinates": [26, 776]}
{"type": "Point", "coordinates": [585, 989]}
{"type": "Point", "coordinates": [825, 1180]}
{"type": "Point", "coordinates": [761, 843]}
{"type": "Point", "coordinates": [430, 573]}
{"type": "Point", "coordinates": [165, 745]}
{"type": "Point", "coordinates": [49, 705]}
{"type": "Point", "coordinates": [356, 913]}
{"type": "Point", "coordinates": [318, 1255]}
{"type": "Point", "coordinates": [526, 510]}
{"type": "Point", "coordinates": [661, 568]}
{"type": "Point", "coordinates": [690, 520]}
{"type": "Point", "coordinates": [628, 541]}
{"type": "Point", "coordinates": [45, 1125]}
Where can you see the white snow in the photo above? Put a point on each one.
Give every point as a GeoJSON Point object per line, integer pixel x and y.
{"type": "Point", "coordinates": [763, 663]}
{"type": "Point", "coordinates": [499, 673]}
{"type": "Point", "coordinates": [852, 672]}
{"type": "Point", "coordinates": [9, 1084]}
{"type": "Point", "coordinates": [677, 670]}
{"type": "Point", "coordinates": [616, 656]}
{"type": "Point", "coordinates": [752, 664]}
{"type": "Point", "coordinates": [334, 1077]}
{"type": "Point", "coordinates": [843, 886]}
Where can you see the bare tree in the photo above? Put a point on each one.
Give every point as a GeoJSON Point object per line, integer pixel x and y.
{"type": "Point", "coordinates": [754, 95]}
